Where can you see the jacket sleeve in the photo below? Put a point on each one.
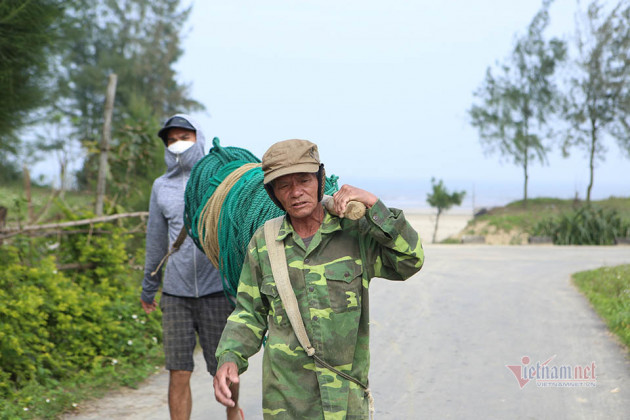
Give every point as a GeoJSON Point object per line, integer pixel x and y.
{"type": "Point", "coordinates": [156, 247]}
{"type": "Point", "coordinates": [393, 248]}
{"type": "Point", "coordinates": [247, 325]}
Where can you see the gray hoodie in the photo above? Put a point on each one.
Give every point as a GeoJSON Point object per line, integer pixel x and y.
{"type": "Point", "coordinates": [188, 272]}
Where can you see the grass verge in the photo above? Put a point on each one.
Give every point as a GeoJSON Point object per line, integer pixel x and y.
{"type": "Point", "coordinates": [608, 290]}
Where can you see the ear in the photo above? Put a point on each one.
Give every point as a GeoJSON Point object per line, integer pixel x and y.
{"type": "Point", "coordinates": [272, 195]}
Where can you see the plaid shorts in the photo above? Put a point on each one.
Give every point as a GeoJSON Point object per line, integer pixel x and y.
{"type": "Point", "coordinates": [183, 318]}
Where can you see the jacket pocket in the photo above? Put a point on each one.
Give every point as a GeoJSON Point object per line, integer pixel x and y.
{"type": "Point", "coordinates": [344, 285]}
{"type": "Point", "coordinates": [277, 313]}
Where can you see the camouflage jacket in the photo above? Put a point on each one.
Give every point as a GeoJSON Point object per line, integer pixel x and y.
{"type": "Point", "coordinates": [330, 280]}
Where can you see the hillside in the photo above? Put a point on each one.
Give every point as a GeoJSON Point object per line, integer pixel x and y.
{"type": "Point", "coordinates": [512, 224]}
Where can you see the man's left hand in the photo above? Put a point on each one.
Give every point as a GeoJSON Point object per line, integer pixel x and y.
{"type": "Point", "coordinates": [349, 193]}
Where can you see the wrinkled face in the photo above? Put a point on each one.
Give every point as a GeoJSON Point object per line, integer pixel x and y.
{"type": "Point", "coordinates": [176, 134]}
{"type": "Point", "coordinates": [297, 193]}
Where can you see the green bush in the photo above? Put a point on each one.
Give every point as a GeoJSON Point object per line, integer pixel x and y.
{"type": "Point", "coordinates": [585, 226]}
{"type": "Point", "coordinates": [59, 327]}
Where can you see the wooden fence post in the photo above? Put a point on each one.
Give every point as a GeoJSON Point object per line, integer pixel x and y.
{"type": "Point", "coordinates": [3, 218]}
{"type": "Point", "coordinates": [27, 191]}
{"type": "Point", "coordinates": [107, 134]}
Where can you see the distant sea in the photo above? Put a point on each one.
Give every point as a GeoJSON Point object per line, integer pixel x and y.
{"type": "Point", "coordinates": [411, 194]}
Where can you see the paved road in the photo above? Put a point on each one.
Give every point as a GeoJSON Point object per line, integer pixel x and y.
{"type": "Point", "coordinates": [441, 342]}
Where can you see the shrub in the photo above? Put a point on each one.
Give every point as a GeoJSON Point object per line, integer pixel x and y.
{"type": "Point", "coordinates": [585, 226]}
{"type": "Point", "coordinates": [58, 326]}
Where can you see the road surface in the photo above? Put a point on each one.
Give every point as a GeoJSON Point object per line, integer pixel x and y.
{"type": "Point", "coordinates": [441, 343]}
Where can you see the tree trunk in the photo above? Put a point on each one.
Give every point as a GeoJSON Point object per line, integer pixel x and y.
{"type": "Point", "coordinates": [526, 175]}
{"type": "Point", "coordinates": [107, 133]}
{"type": "Point", "coordinates": [526, 113]}
{"type": "Point", "coordinates": [437, 220]}
{"type": "Point", "coordinates": [63, 164]}
{"type": "Point", "coordinates": [591, 161]}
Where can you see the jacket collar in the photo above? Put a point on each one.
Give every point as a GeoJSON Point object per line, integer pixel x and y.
{"type": "Point", "coordinates": [330, 224]}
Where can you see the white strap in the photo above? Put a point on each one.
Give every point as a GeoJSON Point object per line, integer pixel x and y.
{"type": "Point", "coordinates": [280, 271]}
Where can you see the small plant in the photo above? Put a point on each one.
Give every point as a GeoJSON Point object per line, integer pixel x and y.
{"type": "Point", "coordinates": [585, 226]}
{"type": "Point", "coordinates": [442, 201]}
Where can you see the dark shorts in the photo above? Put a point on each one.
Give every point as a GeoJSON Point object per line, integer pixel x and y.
{"type": "Point", "coordinates": [183, 318]}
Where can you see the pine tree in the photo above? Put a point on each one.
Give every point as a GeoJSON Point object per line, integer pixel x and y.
{"type": "Point", "coordinates": [516, 105]}
{"type": "Point", "coordinates": [28, 31]}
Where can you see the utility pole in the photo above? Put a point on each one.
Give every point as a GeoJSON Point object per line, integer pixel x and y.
{"type": "Point", "coordinates": [106, 139]}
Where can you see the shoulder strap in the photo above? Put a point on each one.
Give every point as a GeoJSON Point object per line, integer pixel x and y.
{"type": "Point", "coordinates": [280, 271]}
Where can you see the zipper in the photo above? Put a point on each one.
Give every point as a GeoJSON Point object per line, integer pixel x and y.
{"type": "Point", "coordinates": [177, 159]}
{"type": "Point", "coordinates": [177, 155]}
{"type": "Point", "coordinates": [194, 250]}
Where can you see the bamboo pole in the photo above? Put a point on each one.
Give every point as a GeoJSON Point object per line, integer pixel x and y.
{"type": "Point", "coordinates": [74, 222]}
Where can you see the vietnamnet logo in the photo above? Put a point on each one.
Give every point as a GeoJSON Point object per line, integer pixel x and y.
{"type": "Point", "coordinates": [547, 374]}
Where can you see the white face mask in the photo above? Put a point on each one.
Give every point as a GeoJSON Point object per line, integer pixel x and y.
{"type": "Point", "coordinates": [181, 146]}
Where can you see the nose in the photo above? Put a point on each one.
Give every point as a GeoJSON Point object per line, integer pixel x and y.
{"type": "Point", "coordinates": [296, 191]}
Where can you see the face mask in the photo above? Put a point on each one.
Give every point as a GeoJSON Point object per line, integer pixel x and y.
{"type": "Point", "coordinates": [181, 146]}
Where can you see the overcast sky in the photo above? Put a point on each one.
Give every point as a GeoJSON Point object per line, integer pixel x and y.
{"type": "Point", "coordinates": [383, 87]}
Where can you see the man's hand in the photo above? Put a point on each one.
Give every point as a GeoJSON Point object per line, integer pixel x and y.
{"type": "Point", "coordinates": [226, 375]}
{"type": "Point", "coordinates": [148, 307]}
{"type": "Point", "coordinates": [349, 193]}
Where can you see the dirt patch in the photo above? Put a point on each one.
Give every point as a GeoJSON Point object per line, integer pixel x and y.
{"type": "Point", "coordinates": [493, 235]}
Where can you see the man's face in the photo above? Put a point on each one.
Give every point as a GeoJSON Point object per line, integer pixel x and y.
{"type": "Point", "coordinates": [176, 134]}
{"type": "Point", "coordinates": [297, 193]}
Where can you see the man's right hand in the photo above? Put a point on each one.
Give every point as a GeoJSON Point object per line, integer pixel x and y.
{"type": "Point", "coordinates": [148, 307]}
{"type": "Point", "coordinates": [226, 375]}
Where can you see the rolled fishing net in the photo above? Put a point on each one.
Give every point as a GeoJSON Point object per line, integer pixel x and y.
{"type": "Point", "coordinates": [225, 203]}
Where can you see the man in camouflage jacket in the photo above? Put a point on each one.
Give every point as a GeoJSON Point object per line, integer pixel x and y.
{"type": "Point", "coordinates": [331, 261]}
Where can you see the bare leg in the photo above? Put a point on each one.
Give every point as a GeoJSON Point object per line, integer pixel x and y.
{"type": "Point", "coordinates": [179, 395]}
{"type": "Point", "coordinates": [234, 413]}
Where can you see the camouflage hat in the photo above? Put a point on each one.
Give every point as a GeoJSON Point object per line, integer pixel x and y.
{"type": "Point", "coordinates": [289, 157]}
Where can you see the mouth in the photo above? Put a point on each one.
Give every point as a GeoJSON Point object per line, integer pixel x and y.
{"type": "Point", "coordinates": [299, 204]}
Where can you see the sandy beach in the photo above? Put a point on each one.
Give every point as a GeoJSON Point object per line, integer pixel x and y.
{"type": "Point", "coordinates": [451, 223]}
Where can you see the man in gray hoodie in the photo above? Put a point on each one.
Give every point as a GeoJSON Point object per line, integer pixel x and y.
{"type": "Point", "coordinates": [192, 302]}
